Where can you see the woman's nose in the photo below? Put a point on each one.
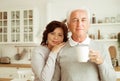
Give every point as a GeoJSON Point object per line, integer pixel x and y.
{"type": "Point", "coordinates": [55, 37]}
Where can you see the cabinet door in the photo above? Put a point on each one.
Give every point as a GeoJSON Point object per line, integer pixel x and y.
{"type": "Point", "coordinates": [3, 26]}
{"type": "Point", "coordinates": [25, 73]}
{"type": "Point", "coordinates": [15, 26]}
{"type": "Point", "coordinates": [7, 72]}
{"type": "Point", "coordinates": [28, 26]}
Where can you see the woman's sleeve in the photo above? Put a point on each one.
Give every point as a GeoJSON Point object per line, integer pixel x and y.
{"type": "Point", "coordinates": [42, 68]}
{"type": "Point", "coordinates": [57, 72]}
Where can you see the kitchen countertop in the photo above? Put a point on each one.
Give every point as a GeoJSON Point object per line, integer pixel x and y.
{"type": "Point", "coordinates": [16, 65]}
{"type": "Point", "coordinates": [5, 79]}
{"type": "Point", "coordinates": [29, 66]}
{"type": "Point", "coordinates": [9, 79]}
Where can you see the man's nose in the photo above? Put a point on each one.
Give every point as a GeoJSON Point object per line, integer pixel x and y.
{"type": "Point", "coordinates": [79, 22]}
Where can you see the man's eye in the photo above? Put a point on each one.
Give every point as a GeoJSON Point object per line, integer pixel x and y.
{"type": "Point", "coordinates": [84, 19]}
{"type": "Point", "coordinates": [74, 20]}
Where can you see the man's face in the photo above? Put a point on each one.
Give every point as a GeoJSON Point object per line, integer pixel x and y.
{"type": "Point", "coordinates": [79, 22]}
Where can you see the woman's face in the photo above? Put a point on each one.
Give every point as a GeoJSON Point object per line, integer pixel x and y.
{"type": "Point", "coordinates": [56, 37]}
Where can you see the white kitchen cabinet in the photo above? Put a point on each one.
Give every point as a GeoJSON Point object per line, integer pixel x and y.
{"type": "Point", "coordinates": [25, 73]}
{"type": "Point", "coordinates": [19, 25]}
{"type": "Point", "coordinates": [16, 73]}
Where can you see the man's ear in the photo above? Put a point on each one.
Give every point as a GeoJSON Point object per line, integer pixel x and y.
{"type": "Point", "coordinates": [68, 26]}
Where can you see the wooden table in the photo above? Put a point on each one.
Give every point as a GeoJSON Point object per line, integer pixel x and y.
{"type": "Point", "coordinates": [5, 79]}
{"type": "Point", "coordinates": [16, 65]}
{"type": "Point", "coordinates": [9, 79]}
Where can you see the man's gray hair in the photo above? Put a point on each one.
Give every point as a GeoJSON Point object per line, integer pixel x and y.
{"type": "Point", "coordinates": [72, 10]}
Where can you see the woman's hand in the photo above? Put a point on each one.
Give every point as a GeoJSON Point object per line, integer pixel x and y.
{"type": "Point", "coordinates": [57, 48]}
{"type": "Point", "coordinates": [95, 57]}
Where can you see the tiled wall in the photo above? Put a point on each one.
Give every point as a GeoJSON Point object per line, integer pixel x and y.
{"type": "Point", "coordinates": [12, 50]}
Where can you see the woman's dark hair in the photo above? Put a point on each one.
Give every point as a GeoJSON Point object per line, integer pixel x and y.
{"type": "Point", "coordinates": [51, 27]}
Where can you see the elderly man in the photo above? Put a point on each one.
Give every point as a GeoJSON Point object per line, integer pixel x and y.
{"type": "Point", "coordinates": [69, 68]}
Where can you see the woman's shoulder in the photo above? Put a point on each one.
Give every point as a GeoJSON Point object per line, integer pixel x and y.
{"type": "Point", "coordinates": [41, 50]}
{"type": "Point", "coordinates": [41, 47]}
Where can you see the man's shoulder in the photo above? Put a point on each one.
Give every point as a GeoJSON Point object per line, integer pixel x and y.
{"type": "Point", "coordinates": [97, 44]}
{"type": "Point", "coordinates": [66, 44]}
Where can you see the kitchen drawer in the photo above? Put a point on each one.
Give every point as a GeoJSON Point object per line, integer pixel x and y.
{"type": "Point", "coordinates": [8, 72]}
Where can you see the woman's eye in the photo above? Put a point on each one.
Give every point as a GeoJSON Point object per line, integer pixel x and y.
{"type": "Point", "coordinates": [60, 35]}
{"type": "Point", "coordinates": [52, 33]}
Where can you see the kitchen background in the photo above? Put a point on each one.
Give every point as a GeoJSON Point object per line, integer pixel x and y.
{"type": "Point", "coordinates": [23, 21]}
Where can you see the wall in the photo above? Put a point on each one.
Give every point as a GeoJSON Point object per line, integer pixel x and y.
{"type": "Point", "coordinates": [102, 8]}
{"type": "Point", "coordinates": [11, 50]}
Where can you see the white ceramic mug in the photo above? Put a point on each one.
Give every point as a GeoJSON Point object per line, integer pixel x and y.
{"type": "Point", "coordinates": [82, 53]}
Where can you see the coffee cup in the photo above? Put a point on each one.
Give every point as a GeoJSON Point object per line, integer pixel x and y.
{"type": "Point", "coordinates": [82, 53]}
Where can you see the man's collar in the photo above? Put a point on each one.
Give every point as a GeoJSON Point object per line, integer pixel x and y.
{"type": "Point", "coordinates": [85, 42]}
